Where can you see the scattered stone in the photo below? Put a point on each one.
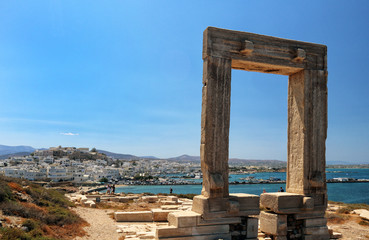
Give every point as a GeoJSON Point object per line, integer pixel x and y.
{"type": "Point", "coordinates": [364, 214]}
{"type": "Point", "coordinates": [336, 235]}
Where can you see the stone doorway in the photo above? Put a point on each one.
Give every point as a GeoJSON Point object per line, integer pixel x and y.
{"type": "Point", "coordinates": [299, 212]}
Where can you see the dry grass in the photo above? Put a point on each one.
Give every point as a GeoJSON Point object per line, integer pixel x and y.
{"type": "Point", "coordinates": [16, 187]}
{"type": "Point", "coordinates": [363, 222]}
{"type": "Point", "coordinates": [336, 218]}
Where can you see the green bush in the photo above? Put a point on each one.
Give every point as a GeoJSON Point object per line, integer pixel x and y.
{"type": "Point", "coordinates": [60, 216]}
{"type": "Point", "coordinates": [30, 224]}
{"type": "Point", "coordinates": [16, 209]}
{"type": "Point", "coordinates": [13, 234]}
{"type": "Point", "coordinates": [18, 234]}
{"type": "Point", "coordinates": [5, 191]}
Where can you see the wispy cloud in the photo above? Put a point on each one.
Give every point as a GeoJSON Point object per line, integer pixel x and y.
{"type": "Point", "coordinates": [69, 134]}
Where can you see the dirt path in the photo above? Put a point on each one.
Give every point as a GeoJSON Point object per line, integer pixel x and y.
{"type": "Point", "coordinates": [102, 226]}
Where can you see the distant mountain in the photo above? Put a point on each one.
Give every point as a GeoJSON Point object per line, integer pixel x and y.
{"type": "Point", "coordinates": [346, 162]}
{"type": "Point", "coordinates": [234, 161]}
{"type": "Point", "coordinates": [19, 154]}
{"type": "Point", "coordinates": [118, 155]}
{"type": "Point", "coordinates": [254, 162]}
{"type": "Point", "coordinates": [185, 158]}
{"type": "Point", "coordinates": [149, 157]}
{"type": "Point", "coordinates": [4, 150]}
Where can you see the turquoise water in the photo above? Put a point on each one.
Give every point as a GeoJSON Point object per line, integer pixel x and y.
{"type": "Point", "coordinates": [341, 192]}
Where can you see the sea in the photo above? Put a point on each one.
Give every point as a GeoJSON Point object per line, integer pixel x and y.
{"type": "Point", "coordinates": [357, 192]}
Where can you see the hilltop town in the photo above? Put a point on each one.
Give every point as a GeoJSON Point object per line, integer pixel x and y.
{"type": "Point", "coordinates": [85, 165]}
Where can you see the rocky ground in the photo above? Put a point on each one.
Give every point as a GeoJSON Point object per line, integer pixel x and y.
{"type": "Point", "coordinates": [346, 223]}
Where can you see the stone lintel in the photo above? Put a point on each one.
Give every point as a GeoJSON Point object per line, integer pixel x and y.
{"type": "Point", "coordinates": [275, 55]}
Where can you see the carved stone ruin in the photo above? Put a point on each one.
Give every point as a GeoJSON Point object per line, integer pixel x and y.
{"type": "Point", "coordinates": [297, 213]}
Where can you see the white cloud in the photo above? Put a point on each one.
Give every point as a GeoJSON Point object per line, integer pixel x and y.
{"type": "Point", "coordinates": [69, 134]}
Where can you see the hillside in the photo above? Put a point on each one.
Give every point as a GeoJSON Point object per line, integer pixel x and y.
{"type": "Point", "coordinates": [29, 211]}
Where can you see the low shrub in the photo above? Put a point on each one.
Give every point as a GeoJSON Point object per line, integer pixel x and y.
{"type": "Point", "coordinates": [5, 192]}
{"type": "Point", "coordinates": [17, 209]}
{"type": "Point", "coordinates": [336, 218]}
{"type": "Point", "coordinates": [61, 216]}
{"type": "Point", "coordinates": [13, 234]}
{"type": "Point", "coordinates": [30, 224]}
{"type": "Point", "coordinates": [364, 223]}
{"type": "Point", "coordinates": [18, 234]}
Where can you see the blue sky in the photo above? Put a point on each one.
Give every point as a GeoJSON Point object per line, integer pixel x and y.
{"type": "Point", "coordinates": [126, 76]}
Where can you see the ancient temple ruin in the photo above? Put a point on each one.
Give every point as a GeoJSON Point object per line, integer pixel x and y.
{"type": "Point", "coordinates": [297, 213]}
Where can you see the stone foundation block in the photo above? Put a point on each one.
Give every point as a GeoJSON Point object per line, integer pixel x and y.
{"type": "Point", "coordinates": [282, 202]}
{"type": "Point", "coordinates": [141, 216]}
{"type": "Point", "coordinates": [168, 202]}
{"type": "Point", "coordinates": [252, 227]}
{"type": "Point", "coordinates": [309, 214]}
{"type": "Point", "coordinates": [246, 201]}
{"type": "Point", "coordinates": [222, 236]}
{"type": "Point", "coordinates": [150, 199]}
{"type": "Point", "coordinates": [192, 232]}
{"type": "Point", "coordinates": [219, 221]}
{"type": "Point", "coordinates": [316, 237]}
{"type": "Point", "coordinates": [280, 238]}
{"type": "Point", "coordinates": [172, 198]}
{"type": "Point", "coordinates": [123, 199]}
{"type": "Point", "coordinates": [272, 223]}
{"type": "Point", "coordinates": [315, 222]}
{"type": "Point", "coordinates": [323, 231]}
{"type": "Point", "coordinates": [160, 215]}
{"type": "Point", "coordinates": [308, 203]}
{"type": "Point", "coordinates": [182, 219]}
{"type": "Point", "coordinates": [200, 204]}
{"type": "Point", "coordinates": [169, 207]}
{"type": "Point", "coordinates": [234, 206]}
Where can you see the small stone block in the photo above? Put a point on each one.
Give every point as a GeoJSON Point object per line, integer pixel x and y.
{"type": "Point", "coordinates": [183, 219]}
{"type": "Point", "coordinates": [308, 203]}
{"type": "Point", "coordinates": [282, 202]}
{"type": "Point", "coordinates": [160, 215]}
{"type": "Point", "coordinates": [172, 231]}
{"type": "Point", "coordinates": [280, 238]}
{"type": "Point", "coordinates": [219, 221]}
{"type": "Point", "coordinates": [218, 204]}
{"type": "Point", "coordinates": [172, 198]}
{"type": "Point", "coordinates": [141, 216]}
{"type": "Point", "coordinates": [150, 199]}
{"type": "Point", "coordinates": [200, 204]}
{"type": "Point", "coordinates": [315, 222]}
{"type": "Point", "coordinates": [336, 235]}
{"type": "Point", "coordinates": [323, 231]}
{"type": "Point", "coordinates": [272, 223]}
{"type": "Point", "coordinates": [246, 201]}
{"type": "Point", "coordinates": [307, 215]}
{"type": "Point", "coordinates": [169, 207]}
{"type": "Point", "coordinates": [252, 228]}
